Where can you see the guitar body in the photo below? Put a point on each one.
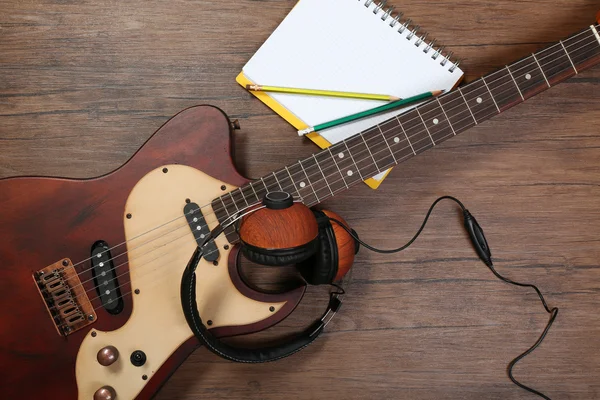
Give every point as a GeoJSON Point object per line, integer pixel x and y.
{"type": "Point", "coordinates": [46, 220]}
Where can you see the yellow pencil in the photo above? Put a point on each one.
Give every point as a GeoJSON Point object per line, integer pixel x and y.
{"type": "Point", "coordinates": [314, 92]}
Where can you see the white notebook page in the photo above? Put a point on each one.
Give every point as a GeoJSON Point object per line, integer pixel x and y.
{"type": "Point", "coordinates": [342, 45]}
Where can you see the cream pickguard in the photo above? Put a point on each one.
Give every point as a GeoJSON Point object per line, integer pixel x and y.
{"type": "Point", "coordinates": [156, 261]}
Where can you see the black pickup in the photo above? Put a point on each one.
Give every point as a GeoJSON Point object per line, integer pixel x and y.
{"type": "Point", "coordinates": [105, 278]}
{"type": "Point", "coordinates": [200, 229]}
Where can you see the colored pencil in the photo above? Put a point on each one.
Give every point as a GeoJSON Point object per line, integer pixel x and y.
{"type": "Point", "coordinates": [368, 113]}
{"type": "Point", "coordinates": [314, 92]}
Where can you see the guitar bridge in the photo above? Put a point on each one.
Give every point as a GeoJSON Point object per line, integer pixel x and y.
{"type": "Point", "coordinates": [65, 297]}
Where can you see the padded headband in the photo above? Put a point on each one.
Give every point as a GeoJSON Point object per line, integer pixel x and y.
{"type": "Point", "coordinates": [239, 354]}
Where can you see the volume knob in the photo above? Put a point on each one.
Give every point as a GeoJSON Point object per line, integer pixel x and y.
{"type": "Point", "coordinates": [105, 393]}
{"type": "Point", "coordinates": [108, 355]}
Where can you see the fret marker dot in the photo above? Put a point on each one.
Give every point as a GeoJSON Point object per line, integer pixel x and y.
{"type": "Point", "coordinates": [198, 228]}
{"type": "Point", "coordinates": [436, 121]}
{"type": "Point", "coordinates": [396, 140]}
{"type": "Point", "coordinates": [107, 292]}
{"type": "Point", "coordinates": [101, 264]}
{"type": "Point", "coordinates": [341, 155]}
{"type": "Point", "coordinates": [350, 173]}
{"type": "Point", "coordinates": [302, 184]}
{"type": "Point", "coordinates": [479, 100]}
{"type": "Point", "coordinates": [528, 76]}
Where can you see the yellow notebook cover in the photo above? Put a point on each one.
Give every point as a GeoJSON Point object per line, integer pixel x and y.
{"type": "Point", "coordinates": [344, 45]}
{"type": "Point", "coordinates": [296, 122]}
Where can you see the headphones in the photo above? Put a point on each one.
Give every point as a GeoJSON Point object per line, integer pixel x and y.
{"type": "Point", "coordinates": [286, 233]}
{"type": "Point", "coordinates": [281, 232]}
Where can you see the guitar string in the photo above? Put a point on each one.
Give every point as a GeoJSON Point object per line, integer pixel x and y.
{"type": "Point", "coordinates": [233, 202]}
{"type": "Point", "coordinates": [207, 205]}
{"type": "Point", "coordinates": [531, 63]}
{"type": "Point", "coordinates": [384, 150]}
{"type": "Point", "coordinates": [341, 189]}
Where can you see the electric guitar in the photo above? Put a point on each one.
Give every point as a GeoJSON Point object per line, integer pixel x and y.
{"type": "Point", "coordinates": [90, 269]}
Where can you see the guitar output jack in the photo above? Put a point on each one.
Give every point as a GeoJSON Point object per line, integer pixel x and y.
{"type": "Point", "coordinates": [138, 358]}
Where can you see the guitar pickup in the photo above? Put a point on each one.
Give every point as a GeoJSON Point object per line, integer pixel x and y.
{"type": "Point", "coordinates": [200, 230]}
{"type": "Point", "coordinates": [105, 278]}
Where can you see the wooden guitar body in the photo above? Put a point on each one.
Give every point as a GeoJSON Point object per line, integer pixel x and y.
{"type": "Point", "coordinates": [46, 220]}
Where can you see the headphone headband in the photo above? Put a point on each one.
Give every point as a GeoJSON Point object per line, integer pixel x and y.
{"type": "Point", "coordinates": [238, 354]}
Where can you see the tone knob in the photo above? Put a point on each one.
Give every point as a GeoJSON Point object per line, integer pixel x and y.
{"type": "Point", "coordinates": [105, 393]}
{"type": "Point", "coordinates": [108, 355]}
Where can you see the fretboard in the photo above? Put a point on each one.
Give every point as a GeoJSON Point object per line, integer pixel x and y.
{"type": "Point", "coordinates": [337, 168]}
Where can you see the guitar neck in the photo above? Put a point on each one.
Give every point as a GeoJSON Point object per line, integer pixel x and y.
{"type": "Point", "coordinates": [337, 168]}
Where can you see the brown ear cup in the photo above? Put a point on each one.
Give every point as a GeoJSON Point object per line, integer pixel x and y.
{"type": "Point", "coordinates": [322, 251]}
{"type": "Point", "coordinates": [335, 254]}
{"type": "Point", "coordinates": [279, 237]}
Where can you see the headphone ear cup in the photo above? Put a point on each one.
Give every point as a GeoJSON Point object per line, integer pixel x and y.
{"type": "Point", "coordinates": [322, 267]}
{"type": "Point", "coordinates": [277, 258]}
{"type": "Point", "coordinates": [277, 237]}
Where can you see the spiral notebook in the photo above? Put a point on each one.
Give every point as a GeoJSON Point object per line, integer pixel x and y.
{"type": "Point", "coordinates": [345, 45]}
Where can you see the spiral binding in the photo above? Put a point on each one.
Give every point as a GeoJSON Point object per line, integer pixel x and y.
{"type": "Point", "coordinates": [403, 26]}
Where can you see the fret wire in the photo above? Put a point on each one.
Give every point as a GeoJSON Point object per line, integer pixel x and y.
{"type": "Point", "coordinates": [256, 194]}
{"type": "Point", "coordinates": [407, 139]}
{"type": "Point", "coordinates": [233, 200]}
{"type": "Point", "coordinates": [293, 183]}
{"type": "Point", "coordinates": [478, 97]}
{"type": "Point", "coordinates": [224, 206]}
{"type": "Point", "coordinates": [359, 148]}
{"type": "Point", "coordinates": [369, 150]}
{"type": "Point", "coordinates": [595, 30]}
{"type": "Point", "coordinates": [425, 125]}
{"type": "Point", "coordinates": [265, 185]}
{"type": "Point", "coordinates": [494, 73]}
{"type": "Point", "coordinates": [282, 182]}
{"type": "Point", "coordinates": [591, 49]}
{"type": "Point", "coordinates": [557, 67]}
{"type": "Point", "coordinates": [249, 195]}
{"type": "Point", "coordinates": [243, 197]}
{"type": "Point", "coordinates": [353, 161]}
{"type": "Point", "coordinates": [465, 100]}
{"type": "Point", "coordinates": [337, 166]}
{"type": "Point", "coordinates": [446, 115]}
{"type": "Point", "coordinates": [379, 146]}
{"type": "Point", "coordinates": [513, 78]}
{"type": "Point", "coordinates": [344, 163]}
{"type": "Point", "coordinates": [423, 147]}
{"type": "Point", "coordinates": [277, 180]}
{"type": "Point", "coordinates": [491, 95]}
{"type": "Point", "coordinates": [324, 178]}
{"type": "Point", "coordinates": [567, 53]}
{"type": "Point", "coordinates": [405, 133]}
{"type": "Point", "coordinates": [456, 107]}
{"type": "Point", "coordinates": [387, 144]}
{"type": "Point", "coordinates": [540, 67]}
{"type": "Point", "coordinates": [531, 81]}
{"type": "Point", "coordinates": [308, 179]}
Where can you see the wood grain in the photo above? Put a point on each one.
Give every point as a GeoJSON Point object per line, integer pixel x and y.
{"type": "Point", "coordinates": [261, 229]}
{"type": "Point", "coordinates": [84, 84]}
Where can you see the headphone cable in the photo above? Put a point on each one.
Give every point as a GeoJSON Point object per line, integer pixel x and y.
{"type": "Point", "coordinates": [480, 244]}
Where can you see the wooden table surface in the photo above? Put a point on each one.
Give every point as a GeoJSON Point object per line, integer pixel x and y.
{"type": "Point", "coordinates": [84, 83]}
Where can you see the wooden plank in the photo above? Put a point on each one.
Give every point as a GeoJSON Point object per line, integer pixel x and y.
{"type": "Point", "coordinates": [83, 85]}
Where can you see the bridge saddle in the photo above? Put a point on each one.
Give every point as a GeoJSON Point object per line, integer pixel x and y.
{"type": "Point", "coordinates": [65, 297]}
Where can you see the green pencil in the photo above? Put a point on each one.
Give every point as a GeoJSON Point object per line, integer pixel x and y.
{"type": "Point", "coordinates": [368, 113]}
